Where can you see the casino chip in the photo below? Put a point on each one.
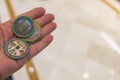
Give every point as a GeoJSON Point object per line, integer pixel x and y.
{"type": "Point", "coordinates": [23, 27]}
{"type": "Point", "coordinates": [16, 48]}
{"type": "Point", "coordinates": [37, 34]}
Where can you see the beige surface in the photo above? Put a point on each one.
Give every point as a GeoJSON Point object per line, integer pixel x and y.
{"type": "Point", "coordinates": [86, 43]}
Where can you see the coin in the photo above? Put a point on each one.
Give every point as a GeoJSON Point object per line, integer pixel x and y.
{"type": "Point", "coordinates": [23, 26]}
{"type": "Point", "coordinates": [37, 34]}
{"type": "Point", "coordinates": [16, 48]}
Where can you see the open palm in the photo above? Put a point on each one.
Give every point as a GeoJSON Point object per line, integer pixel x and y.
{"type": "Point", "coordinates": [9, 66]}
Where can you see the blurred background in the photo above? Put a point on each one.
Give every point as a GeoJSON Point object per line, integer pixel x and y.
{"type": "Point", "coordinates": [86, 43]}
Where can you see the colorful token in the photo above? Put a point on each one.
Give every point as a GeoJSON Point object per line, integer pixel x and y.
{"type": "Point", "coordinates": [23, 27]}
{"type": "Point", "coordinates": [37, 34]}
{"type": "Point", "coordinates": [16, 48]}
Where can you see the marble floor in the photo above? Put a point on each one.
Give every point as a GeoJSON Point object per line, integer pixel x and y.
{"type": "Point", "coordinates": [86, 43]}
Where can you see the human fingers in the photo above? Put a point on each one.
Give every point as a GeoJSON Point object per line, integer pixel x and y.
{"type": "Point", "coordinates": [45, 19]}
{"type": "Point", "coordinates": [34, 13]}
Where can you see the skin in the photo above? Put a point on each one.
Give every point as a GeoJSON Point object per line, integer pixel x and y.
{"type": "Point", "coordinates": [9, 66]}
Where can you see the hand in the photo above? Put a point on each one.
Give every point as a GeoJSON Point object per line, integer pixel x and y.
{"type": "Point", "coordinates": [9, 66]}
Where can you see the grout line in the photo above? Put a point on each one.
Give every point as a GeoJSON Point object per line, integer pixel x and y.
{"type": "Point", "coordinates": [10, 9]}
{"type": "Point", "coordinates": [111, 6]}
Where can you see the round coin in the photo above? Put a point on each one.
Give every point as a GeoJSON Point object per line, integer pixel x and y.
{"type": "Point", "coordinates": [23, 27]}
{"type": "Point", "coordinates": [37, 34]}
{"type": "Point", "coordinates": [16, 48]}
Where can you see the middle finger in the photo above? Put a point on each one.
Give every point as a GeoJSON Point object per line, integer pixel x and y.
{"type": "Point", "coordinates": [47, 18]}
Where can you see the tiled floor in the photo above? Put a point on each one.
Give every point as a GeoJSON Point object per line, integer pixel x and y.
{"type": "Point", "coordinates": [86, 43]}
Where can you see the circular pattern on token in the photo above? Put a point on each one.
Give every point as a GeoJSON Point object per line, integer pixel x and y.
{"type": "Point", "coordinates": [16, 48]}
{"type": "Point", "coordinates": [37, 34]}
{"type": "Point", "coordinates": [23, 27]}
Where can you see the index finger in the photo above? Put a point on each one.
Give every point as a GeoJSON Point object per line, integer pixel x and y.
{"type": "Point", "coordinates": [34, 13]}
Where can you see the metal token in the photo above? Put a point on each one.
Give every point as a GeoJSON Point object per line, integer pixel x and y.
{"type": "Point", "coordinates": [16, 48]}
{"type": "Point", "coordinates": [37, 34]}
{"type": "Point", "coordinates": [23, 27]}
